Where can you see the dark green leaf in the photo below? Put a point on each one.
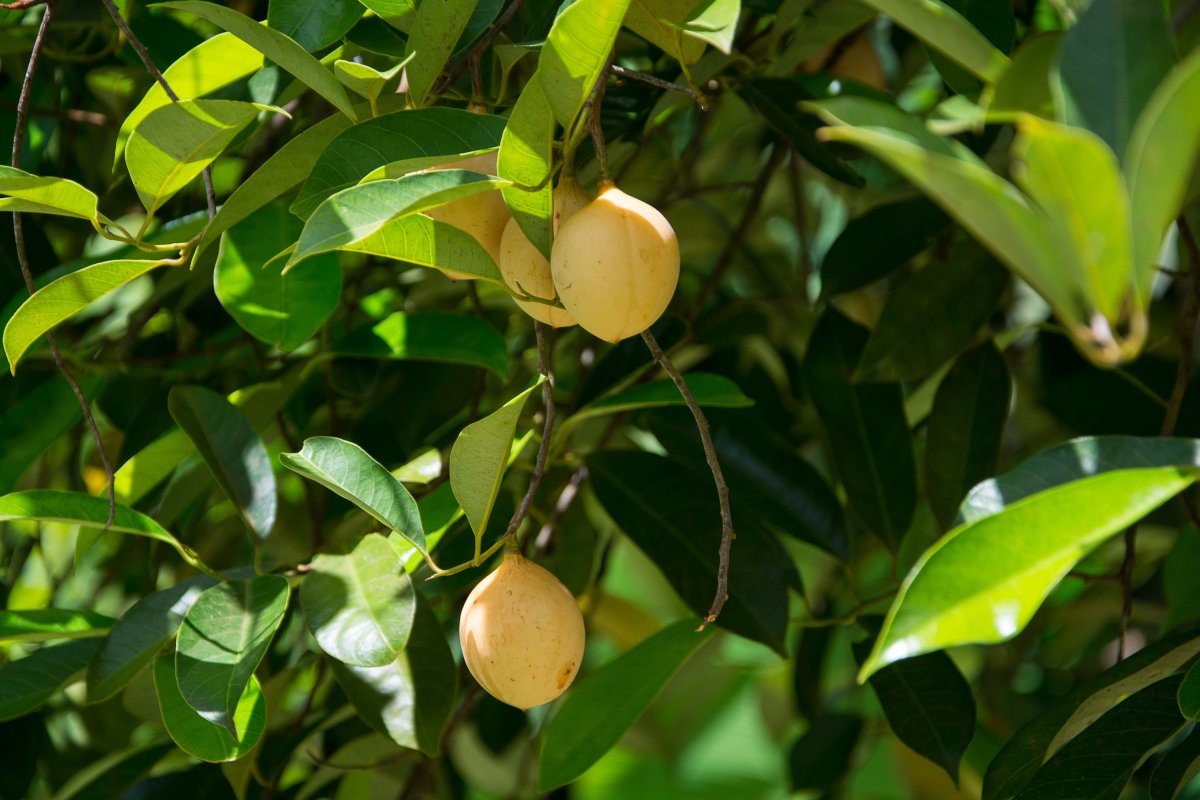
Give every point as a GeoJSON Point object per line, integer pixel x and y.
{"type": "Point", "coordinates": [111, 775]}
{"type": "Point", "coordinates": [360, 606]}
{"type": "Point", "coordinates": [223, 637]}
{"type": "Point", "coordinates": [995, 21]}
{"type": "Point", "coordinates": [866, 428]}
{"type": "Point", "coordinates": [715, 391]}
{"type": "Point", "coordinates": [451, 338]}
{"type": "Point", "coordinates": [942, 27]}
{"type": "Point", "coordinates": [607, 702]}
{"type": "Point", "coordinates": [47, 624]}
{"type": "Point", "coordinates": [1179, 579]}
{"type": "Point", "coordinates": [232, 450]}
{"type": "Point", "coordinates": [199, 736]}
{"type": "Point", "coordinates": [821, 756]}
{"type": "Point", "coordinates": [314, 24]}
{"type": "Point", "coordinates": [962, 445]}
{"type": "Point", "coordinates": [1189, 695]}
{"type": "Point", "coordinates": [1175, 772]}
{"type": "Point", "coordinates": [282, 310]}
{"type": "Point", "coordinates": [658, 505]}
{"type": "Point", "coordinates": [410, 699]}
{"type": "Point", "coordinates": [27, 683]}
{"type": "Point", "coordinates": [37, 420]}
{"type": "Point", "coordinates": [878, 242]}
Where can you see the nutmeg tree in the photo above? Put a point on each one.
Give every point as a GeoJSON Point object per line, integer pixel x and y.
{"type": "Point", "coordinates": [600, 398]}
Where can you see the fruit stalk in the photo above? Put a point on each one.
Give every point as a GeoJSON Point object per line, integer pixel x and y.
{"type": "Point", "coordinates": [710, 455]}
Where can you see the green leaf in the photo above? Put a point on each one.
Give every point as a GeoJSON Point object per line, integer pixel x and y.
{"type": "Point", "coordinates": [776, 100]}
{"type": "Point", "coordinates": [431, 39]}
{"type": "Point", "coordinates": [111, 775]}
{"type": "Point", "coordinates": [1161, 156]}
{"type": "Point", "coordinates": [658, 21]}
{"type": "Point", "coordinates": [479, 457]}
{"type": "Point", "coordinates": [605, 704]}
{"type": "Point", "coordinates": [928, 705]}
{"type": "Point", "coordinates": [449, 338]}
{"type": "Point", "coordinates": [38, 195]}
{"type": "Point", "coordinates": [1112, 59]}
{"type": "Point", "coordinates": [671, 514]}
{"type": "Point", "coordinates": [198, 736]}
{"type": "Point", "coordinates": [995, 21]}
{"type": "Point", "coordinates": [1025, 87]}
{"type": "Point", "coordinates": [138, 635]}
{"type": "Point", "coordinates": [232, 450]}
{"type": "Point", "coordinates": [420, 240]}
{"type": "Point", "coordinates": [1075, 179]}
{"type": "Point", "coordinates": [47, 624]}
{"type": "Point", "coordinates": [942, 28]}
{"type": "Point", "coordinates": [526, 157]}
{"type": "Point", "coordinates": [173, 144]}
{"type": "Point", "coordinates": [27, 683]}
{"type": "Point", "coordinates": [223, 637]}
{"type": "Point", "coordinates": [284, 310]}
{"type": "Point", "coordinates": [866, 428]}
{"type": "Point", "coordinates": [400, 136]}
{"type": "Point", "coordinates": [348, 471]}
{"type": "Point", "coordinates": [274, 45]}
{"type": "Point", "coordinates": [366, 81]}
{"type": "Point", "coordinates": [410, 699]}
{"type": "Point", "coordinates": [1189, 694]}
{"type": "Point", "coordinates": [576, 51]}
{"type": "Point", "coordinates": [715, 22]}
{"type": "Point", "coordinates": [397, 13]}
{"type": "Point", "coordinates": [1098, 763]}
{"type": "Point", "coordinates": [36, 420]}
{"type": "Point", "coordinates": [211, 65]}
{"type": "Point", "coordinates": [983, 580]}
{"type": "Point", "coordinates": [1046, 734]}
{"type": "Point", "coordinates": [822, 755]}
{"type": "Point", "coordinates": [1179, 581]}
{"type": "Point", "coordinates": [877, 243]}
{"type": "Point", "coordinates": [360, 606]}
{"type": "Point", "coordinates": [713, 391]}
{"type": "Point", "coordinates": [63, 298]}
{"type": "Point", "coordinates": [962, 446]}
{"type": "Point", "coordinates": [947, 301]}
{"type": "Point", "coordinates": [282, 172]}
{"type": "Point", "coordinates": [1178, 767]}
{"type": "Point", "coordinates": [314, 24]}
{"type": "Point", "coordinates": [354, 214]}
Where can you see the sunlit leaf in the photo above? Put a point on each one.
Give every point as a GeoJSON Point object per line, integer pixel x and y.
{"type": "Point", "coordinates": [576, 52]}
{"type": "Point", "coordinates": [431, 39]}
{"type": "Point", "coordinates": [450, 338]}
{"type": "Point", "coordinates": [199, 736]}
{"type": "Point", "coordinates": [48, 624]}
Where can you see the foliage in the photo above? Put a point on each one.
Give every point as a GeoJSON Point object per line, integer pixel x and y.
{"type": "Point", "coordinates": [936, 316]}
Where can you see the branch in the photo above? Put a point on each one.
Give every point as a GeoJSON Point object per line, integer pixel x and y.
{"type": "Point", "coordinates": [710, 455]}
{"type": "Point", "coordinates": [539, 464]}
{"type": "Point", "coordinates": [654, 80]}
{"type": "Point", "coordinates": [448, 79]}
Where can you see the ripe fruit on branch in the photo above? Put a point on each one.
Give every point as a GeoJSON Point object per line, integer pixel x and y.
{"type": "Point", "coordinates": [522, 634]}
{"type": "Point", "coordinates": [482, 215]}
{"type": "Point", "coordinates": [525, 270]}
{"type": "Point", "coordinates": [615, 265]}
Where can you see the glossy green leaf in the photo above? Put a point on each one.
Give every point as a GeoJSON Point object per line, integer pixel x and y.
{"type": "Point", "coordinates": [397, 13]}
{"type": "Point", "coordinates": [714, 391]}
{"type": "Point", "coordinates": [867, 430]}
{"type": "Point", "coordinates": [211, 65]}
{"type": "Point", "coordinates": [46, 195]}
{"type": "Point", "coordinates": [877, 243]}
{"type": "Point", "coordinates": [525, 158]}
{"type": "Point", "coordinates": [658, 21]}
{"type": "Point", "coordinates": [36, 420]}
{"type": "Point", "coordinates": [47, 624]}
{"type": "Point", "coordinates": [431, 39]}
{"type": "Point", "coordinates": [1177, 769]}
{"type": "Point", "coordinates": [175, 143]}
{"type": "Point", "coordinates": [1046, 734]}
{"type": "Point", "coordinates": [420, 240]}
{"type": "Point", "coordinates": [820, 757]}
{"type": "Point", "coordinates": [275, 46]}
{"type": "Point", "coordinates": [450, 338]}
{"type": "Point", "coordinates": [223, 637]}
{"type": "Point", "coordinates": [347, 470]}
{"type": "Point", "coordinates": [1189, 695]}
{"type": "Point", "coordinates": [197, 735]}
{"type": "Point", "coordinates": [282, 172]}
{"type": "Point", "coordinates": [284, 310]}
{"type": "Point", "coordinates": [30, 681]}
{"type": "Point", "coordinates": [942, 28]}
{"type": "Point", "coordinates": [138, 635]}
{"type": "Point", "coordinates": [365, 80]}
{"type": "Point", "coordinates": [400, 136]}
{"type": "Point", "coordinates": [576, 52]}
{"type": "Point", "coordinates": [606, 703]}
{"type": "Point", "coordinates": [1112, 59]}
{"type": "Point", "coordinates": [1163, 148]}
{"type": "Point", "coordinates": [670, 512]}
{"type": "Point", "coordinates": [314, 24]}
{"type": "Point", "coordinates": [410, 699]}
{"type": "Point", "coordinates": [1098, 763]}
{"type": "Point", "coordinates": [984, 580]}
{"type": "Point", "coordinates": [360, 606]}
{"type": "Point", "coordinates": [354, 214]}
{"type": "Point", "coordinates": [63, 298]}
{"type": "Point", "coordinates": [962, 445]}
{"type": "Point", "coordinates": [233, 452]}
{"type": "Point", "coordinates": [715, 22]}
{"type": "Point", "coordinates": [948, 301]}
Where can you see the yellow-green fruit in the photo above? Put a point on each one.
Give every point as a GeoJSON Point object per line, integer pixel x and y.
{"type": "Point", "coordinates": [615, 265]}
{"type": "Point", "coordinates": [522, 634]}
{"type": "Point", "coordinates": [524, 268]}
{"type": "Point", "coordinates": [482, 215]}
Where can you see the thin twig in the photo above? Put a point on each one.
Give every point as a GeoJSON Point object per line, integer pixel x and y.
{"type": "Point", "coordinates": [210, 194]}
{"type": "Point", "coordinates": [710, 455]}
{"type": "Point", "coordinates": [449, 78]}
{"type": "Point", "coordinates": [21, 5]}
{"type": "Point", "coordinates": [593, 119]}
{"type": "Point", "coordinates": [539, 464]}
{"type": "Point", "coordinates": [654, 80]}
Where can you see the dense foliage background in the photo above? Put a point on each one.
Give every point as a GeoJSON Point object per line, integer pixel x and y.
{"type": "Point", "coordinates": [924, 243]}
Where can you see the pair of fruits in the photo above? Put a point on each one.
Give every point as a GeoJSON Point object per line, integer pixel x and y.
{"type": "Point", "coordinates": [614, 264]}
